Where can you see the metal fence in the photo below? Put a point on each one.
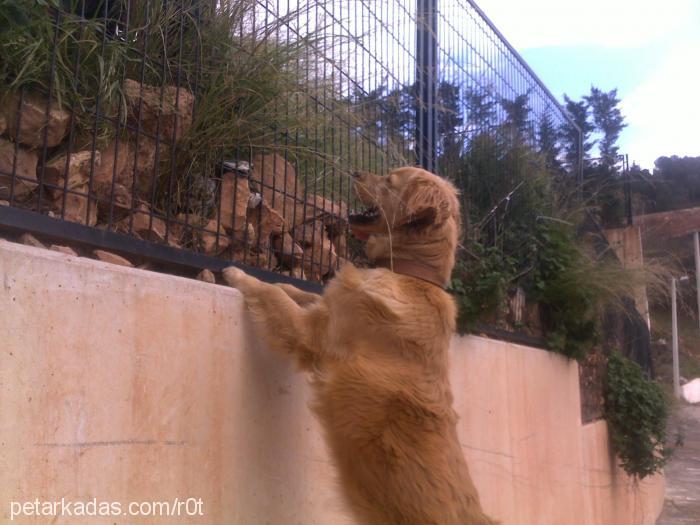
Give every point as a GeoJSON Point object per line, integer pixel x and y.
{"type": "Point", "coordinates": [195, 133]}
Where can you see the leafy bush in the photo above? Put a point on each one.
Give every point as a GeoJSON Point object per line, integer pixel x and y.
{"type": "Point", "coordinates": [567, 302]}
{"type": "Point", "coordinates": [480, 282]}
{"type": "Point", "coordinates": [636, 411]}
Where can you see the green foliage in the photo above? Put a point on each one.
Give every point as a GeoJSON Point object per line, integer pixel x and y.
{"type": "Point", "coordinates": [608, 121]}
{"type": "Point", "coordinates": [258, 86]}
{"type": "Point", "coordinates": [567, 304]}
{"type": "Point", "coordinates": [48, 49]}
{"type": "Point", "coordinates": [636, 411]}
{"type": "Point", "coordinates": [674, 184]}
{"type": "Point", "coordinates": [524, 215]}
{"type": "Point", "coordinates": [479, 282]}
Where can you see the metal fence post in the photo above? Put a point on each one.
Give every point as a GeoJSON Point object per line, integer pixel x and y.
{"type": "Point", "coordinates": [628, 189]}
{"type": "Point", "coordinates": [426, 83]}
{"type": "Point", "coordinates": [674, 340]}
{"type": "Point", "coordinates": [579, 154]}
{"type": "Point", "coordinates": [696, 249]}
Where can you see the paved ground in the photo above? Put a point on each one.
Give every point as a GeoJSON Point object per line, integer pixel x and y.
{"type": "Point", "coordinates": [682, 506]}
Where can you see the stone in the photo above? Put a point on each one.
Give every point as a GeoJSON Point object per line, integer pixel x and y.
{"type": "Point", "coordinates": [212, 244]}
{"type": "Point", "coordinates": [147, 225]}
{"type": "Point", "coordinates": [340, 243]}
{"type": "Point", "coordinates": [263, 258]}
{"type": "Point", "coordinates": [691, 391]}
{"type": "Point", "coordinates": [271, 170]}
{"type": "Point", "coordinates": [251, 236]}
{"type": "Point", "coordinates": [75, 167]}
{"type": "Point", "coordinates": [207, 276]}
{"type": "Point", "coordinates": [306, 233]}
{"type": "Point", "coordinates": [181, 229]}
{"type": "Point", "coordinates": [115, 205]}
{"type": "Point", "coordinates": [266, 222]}
{"type": "Point", "coordinates": [276, 179]}
{"type": "Point", "coordinates": [235, 194]}
{"type": "Point", "coordinates": [172, 106]}
{"type": "Point", "coordinates": [333, 213]}
{"type": "Point", "coordinates": [319, 259]}
{"type": "Point", "coordinates": [144, 158]}
{"type": "Point", "coordinates": [109, 257]}
{"type": "Point", "coordinates": [25, 167]}
{"type": "Point", "coordinates": [76, 208]}
{"type": "Point", "coordinates": [195, 232]}
{"type": "Point", "coordinates": [63, 249]}
{"type": "Point", "coordinates": [34, 120]}
{"type": "Point", "coordinates": [297, 272]}
{"type": "Point", "coordinates": [286, 250]}
{"type": "Point", "coordinates": [116, 166]}
{"type": "Point", "coordinates": [255, 200]}
{"type": "Point", "coordinates": [29, 240]}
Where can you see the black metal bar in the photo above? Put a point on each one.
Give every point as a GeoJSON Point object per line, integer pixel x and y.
{"type": "Point", "coordinates": [18, 220]}
{"type": "Point", "coordinates": [426, 80]}
{"type": "Point", "coordinates": [521, 61]}
{"type": "Point", "coordinates": [628, 190]}
{"type": "Point", "coordinates": [512, 337]}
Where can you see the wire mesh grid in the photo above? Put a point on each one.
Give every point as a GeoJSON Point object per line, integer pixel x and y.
{"type": "Point", "coordinates": [230, 128]}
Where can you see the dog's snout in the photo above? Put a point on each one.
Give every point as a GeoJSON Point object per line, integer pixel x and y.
{"type": "Point", "coordinates": [356, 174]}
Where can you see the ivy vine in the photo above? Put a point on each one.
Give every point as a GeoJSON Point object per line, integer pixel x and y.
{"type": "Point", "coordinates": [636, 410]}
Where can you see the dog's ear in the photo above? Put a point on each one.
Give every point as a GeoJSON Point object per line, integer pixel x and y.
{"type": "Point", "coordinates": [424, 204]}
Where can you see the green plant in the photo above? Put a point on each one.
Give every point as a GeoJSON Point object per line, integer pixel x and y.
{"type": "Point", "coordinates": [567, 302]}
{"type": "Point", "coordinates": [636, 411]}
{"type": "Point", "coordinates": [479, 283]}
{"type": "Point", "coordinates": [54, 51]}
{"type": "Point", "coordinates": [258, 86]}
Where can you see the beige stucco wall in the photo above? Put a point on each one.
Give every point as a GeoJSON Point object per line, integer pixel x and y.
{"type": "Point", "coordinates": [125, 385]}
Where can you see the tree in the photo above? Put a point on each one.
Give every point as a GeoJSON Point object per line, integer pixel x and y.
{"type": "Point", "coordinates": [608, 120]}
{"type": "Point", "coordinates": [677, 181]}
{"type": "Point", "coordinates": [449, 117]}
{"type": "Point", "coordinates": [481, 108]}
{"type": "Point", "coordinates": [517, 122]}
{"type": "Point", "coordinates": [548, 142]}
{"type": "Point", "coordinates": [573, 149]}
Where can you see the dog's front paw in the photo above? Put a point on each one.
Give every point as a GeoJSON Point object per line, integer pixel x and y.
{"type": "Point", "coordinates": [233, 276]}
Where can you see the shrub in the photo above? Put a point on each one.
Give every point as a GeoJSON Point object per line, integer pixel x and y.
{"type": "Point", "coordinates": [636, 411]}
{"type": "Point", "coordinates": [567, 300]}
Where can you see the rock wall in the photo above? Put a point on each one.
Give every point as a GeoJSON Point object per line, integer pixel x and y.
{"type": "Point", "coordinates": [255, 211]}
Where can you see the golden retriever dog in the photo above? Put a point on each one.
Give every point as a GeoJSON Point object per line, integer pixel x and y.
{"type": "Point", "coordinates": [376, 343]}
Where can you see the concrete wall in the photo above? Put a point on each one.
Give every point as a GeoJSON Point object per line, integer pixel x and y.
{"type": "Point", "coordinates": [120, 385]}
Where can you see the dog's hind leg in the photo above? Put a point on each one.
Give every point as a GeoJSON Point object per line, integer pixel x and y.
{"type": "Point", "coordinates": [285, 325]}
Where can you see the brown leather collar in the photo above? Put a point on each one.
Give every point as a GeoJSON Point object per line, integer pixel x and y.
{"type": "Point", "coordinates": [412, 269]}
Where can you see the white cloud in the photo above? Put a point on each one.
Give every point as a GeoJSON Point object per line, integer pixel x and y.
{"type": "Point", "coordinates": [610, 23]}
{"type": "Point", "coordinates": [663, 112]}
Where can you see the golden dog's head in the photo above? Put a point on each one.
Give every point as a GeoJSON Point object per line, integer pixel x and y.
{"type": "Point", "coordinates": [410, 214]}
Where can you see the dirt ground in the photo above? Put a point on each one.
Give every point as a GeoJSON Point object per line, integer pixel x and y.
{"type": "Point", "coordinates": [682, 505]}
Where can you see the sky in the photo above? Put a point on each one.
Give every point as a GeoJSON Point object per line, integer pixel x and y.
{"type": "Point", "coordinates": [648, 49]}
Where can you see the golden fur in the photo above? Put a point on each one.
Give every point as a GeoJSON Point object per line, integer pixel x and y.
{"type": "Point", "coordinates": [376, 344]}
